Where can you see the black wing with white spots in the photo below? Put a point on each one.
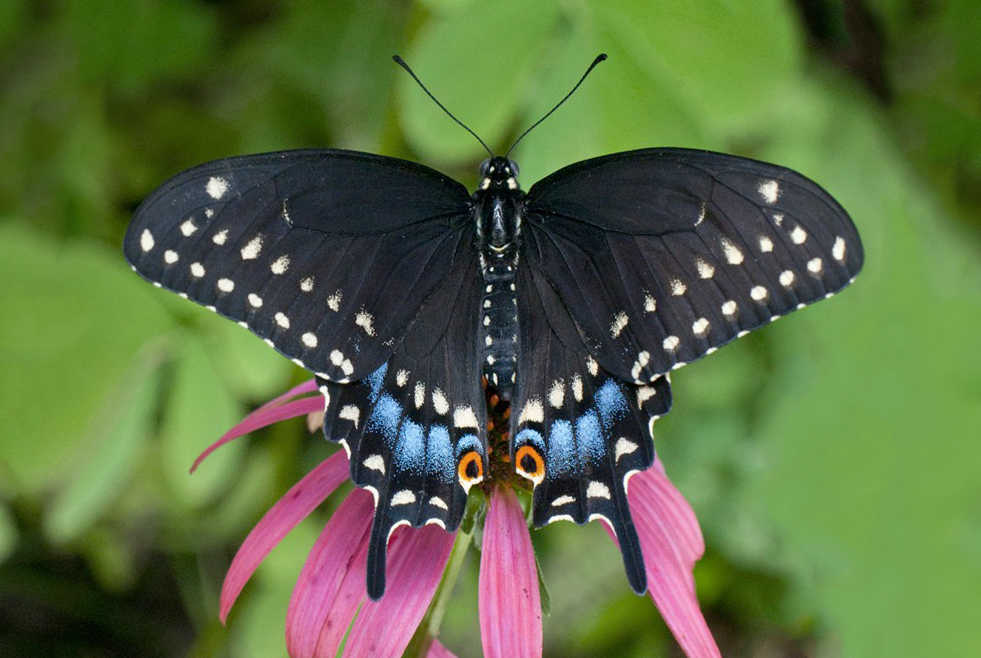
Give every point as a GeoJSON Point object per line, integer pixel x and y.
{"type": "Point", "coordinates": [663, 255]}
{"type": "Point", "coordinates": [578, 432]}
{"type": "Point", "coordinates": [415, 429]}
{"type": "Point", "coordinates": [327, 255]}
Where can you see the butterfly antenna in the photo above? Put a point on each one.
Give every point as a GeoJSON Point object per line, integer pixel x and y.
{"type": "Point", "coordinates": [401, 62]}
{"type": "Point", "coordinates": [599, 58]}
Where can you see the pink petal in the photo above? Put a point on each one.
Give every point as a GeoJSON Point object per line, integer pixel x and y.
{"type": "Point", "coordinates": [292, 508]}
{"type": "Point", "coordinates": [331, 585]}
{"type": "Point", "coordinates": [510, 604]}
{"type": "Point", "coordinates": [664, 525]}
{"type": "Point", "coordinates": [261, 417]}
{"type": "Point", "coordinates": [416, 561]}
{"type": "Point", "coordinates": [309, 386]}
{"type": "Point", "coordinates": [437, 650]}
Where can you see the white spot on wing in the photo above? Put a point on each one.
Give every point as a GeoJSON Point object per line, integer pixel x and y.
{"type": "Point", "coordinates": [251, 250]}
{"type": "Point", "coordinates": [759, 293]}
{"type": "Point", "coordinates": [146, 240]}
{"type": "Point", "coordinates": [700, 327]}
{"type": "Point", "coordinates": [404, 497]}
{"type": "Point", "coordinates": [255, 300]}
{"type": "Point", "coordinates": [563, 500]}
{"type": "Point", "coordinates": [815, 265]}
{"type": "Point", "coordinates": [226, 285]}
{"type": "Point", "coordinates": [650, 304]}
{"type": "Point", "coordinates": [280, 265]}
{"type": "Point", "coordinates": [419, 395]}
{"type": "Point", "coordinates": [402, 378]}
{"type": "Point", "coordinates": [306, 285]}
{"type": "Point", "coordinates": [374, 462]}
{"type": "Point", "coordinates": [734, 256]}
{"type": "Point", "coordinates": [597, 490]}
{"type": "Point", "coordinates": [532, 412]}
{"type": "Point", "coordinates": [766, 244]}
{"type": "Point", "coordinates": [440, 404]}
{"type": "Point", "coordinates": [216, 187]}
{"type": "Point", "coordinates": [769, 190]}
{"type": "Point", "coordinates": [729, 308]}
{"type": "Point", "coordinates": [465, 417]}
{"type": "Point", "coordinates": [786, 278]}
{"type": "Point", "coordinates": [577, 387]}
{"type": "Point", "coordinates": [197, 270]}
{"type": "Point", "coordinates": [365, 320]}
{"type": "Point", "coordinates": [282, 320]}
{"type": "Point", "coordinates": [557, 394]}
{"type": "Point", "coordinates": [838, 250]}
{"type": "Point", "coordinates": [624, 447]}
{"type": "Point", "coordinates": [220, 237]}
{"type": "Point", "coordinates": [334, 301]}
{"type": "Point", "coordinates": [643, 358]}
{"type": "Point", "coordinates": [798, 235]}
{"type": "Point", "coordinates": [188, 228]}
{"type": "Point", "coordinates": [677, 287]}
{"type": "Point", "coordinates": [170, 257]}
{"type": "Point", "coordinates": [705, 270]}
{"type": "Point", "coordinates": [620, 321]}
{"type": "Point", "coordinates": [671, 343]}
{"type": "Point", "coordinates": [592, 366]}
{"type": "Point", "coordinates": [309, 340]}
{"type": "Point", "coordinates": [436, 501]}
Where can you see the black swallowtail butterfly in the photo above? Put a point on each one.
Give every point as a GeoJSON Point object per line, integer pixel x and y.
{"type": "Point", "coordinates": [400, 291]}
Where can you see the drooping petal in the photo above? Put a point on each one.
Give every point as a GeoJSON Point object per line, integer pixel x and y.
{"type": "Point", "coordinates": [261, 417]}
{"type": "Point", "coordinates": [510, 603]}
{"type": "Point", "coordinates": [416, 560]}
{"type": "Point", "coordinates": [437, 650]}
{"type": "Point", "coordinates": [292, 508]}
{"type": "Point", "coordinates": [331, 585]}
{"type": "Point", "coordinates": [669, 544]}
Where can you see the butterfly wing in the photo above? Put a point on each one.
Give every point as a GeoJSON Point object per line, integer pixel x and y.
{"type": "Point", "coordinates": [663, 255]}
{"type": "Point", "coordinates": [325, 254]}
{"type": "Point", "coordinates": [415, 429]}
{"type": "Point", "coordinates": [578, 431]}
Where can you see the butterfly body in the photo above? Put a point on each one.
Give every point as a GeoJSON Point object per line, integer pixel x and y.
{"type": "Point", "coordinates": [400, 291]}
{"type": "Point", "coordinates": [497, 210]}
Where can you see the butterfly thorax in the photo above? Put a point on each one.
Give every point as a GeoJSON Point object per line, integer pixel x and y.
{"type": "Point", "coordinates": [498, 204]}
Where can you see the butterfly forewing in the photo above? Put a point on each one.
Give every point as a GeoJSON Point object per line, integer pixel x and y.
{"type": "Point", "coordinates": [663, 255]}
{"type": "Point", "coordinates": [327, 255]}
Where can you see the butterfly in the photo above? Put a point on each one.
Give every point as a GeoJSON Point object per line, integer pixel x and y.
{"type": "Point", "coordinates": [403, 292]}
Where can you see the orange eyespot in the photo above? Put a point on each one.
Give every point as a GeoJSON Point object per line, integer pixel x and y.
{"type": "Point", "coordinates": [470, 470]}
{"type": "Point", "coordinates": [530, 464]}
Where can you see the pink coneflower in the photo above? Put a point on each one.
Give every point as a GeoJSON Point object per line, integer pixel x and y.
{"type": "Point", "coordinates": [330, 593]}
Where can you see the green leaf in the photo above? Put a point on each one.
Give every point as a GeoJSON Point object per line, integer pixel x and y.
{"type": "Point", "coordinates": [75, 318]}
{"type": "Point", "coordinates": [9, 535]}
{"type": "Point", "coordinates": [119, 438]}
{"type": "Point", "coordinates": [200, 408]}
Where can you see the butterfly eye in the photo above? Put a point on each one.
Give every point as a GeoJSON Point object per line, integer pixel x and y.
{"type": "Point", "coordinates": [484, 168]}
{"type": "Point", "coordinates": [470, 470]}
{"type": "Point", "coordinates": [529, 463]}
{"type": "Point", "coordinates": [514, 168]}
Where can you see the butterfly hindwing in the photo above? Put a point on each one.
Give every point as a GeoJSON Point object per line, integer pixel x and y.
{"type": "Point", "coordinates": [415, 429]}
{"type": "Point", "coordinates": [663, 255]}
{"type": "Point", "coordinates": [578, 432]}
{"type": "Point", "coordinates": [327, 255]}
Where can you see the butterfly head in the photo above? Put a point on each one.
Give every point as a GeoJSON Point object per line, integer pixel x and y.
{"type": "Point", "coordinates": [498, 173]}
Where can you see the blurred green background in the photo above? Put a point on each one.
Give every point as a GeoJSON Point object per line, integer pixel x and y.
{"type": "Point", "coordinates": [833, 458]}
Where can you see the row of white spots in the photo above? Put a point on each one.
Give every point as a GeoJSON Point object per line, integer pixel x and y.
{"type": "Point", "coordinates": [464, 416]}
{"type": "Point", "coordinates": [700, 327]}
{"type": "Point", "coordinates": [440, 403]}
{"type": "Point", "coordinates": [677, 287]}
{"type": "Point", "coordinates": [671, 343]}
{"type": "Point", "coordinates": [759, 293]}
{"type": "Point", "coordinates": [576, 385]}
{"type": "Point", "coordinates": [734, 256]}
{"type": "Point", "coordinates": [705, 270]}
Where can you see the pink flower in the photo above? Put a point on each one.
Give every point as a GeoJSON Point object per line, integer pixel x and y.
{"type": "Point", "coordinates": [330, 592]}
